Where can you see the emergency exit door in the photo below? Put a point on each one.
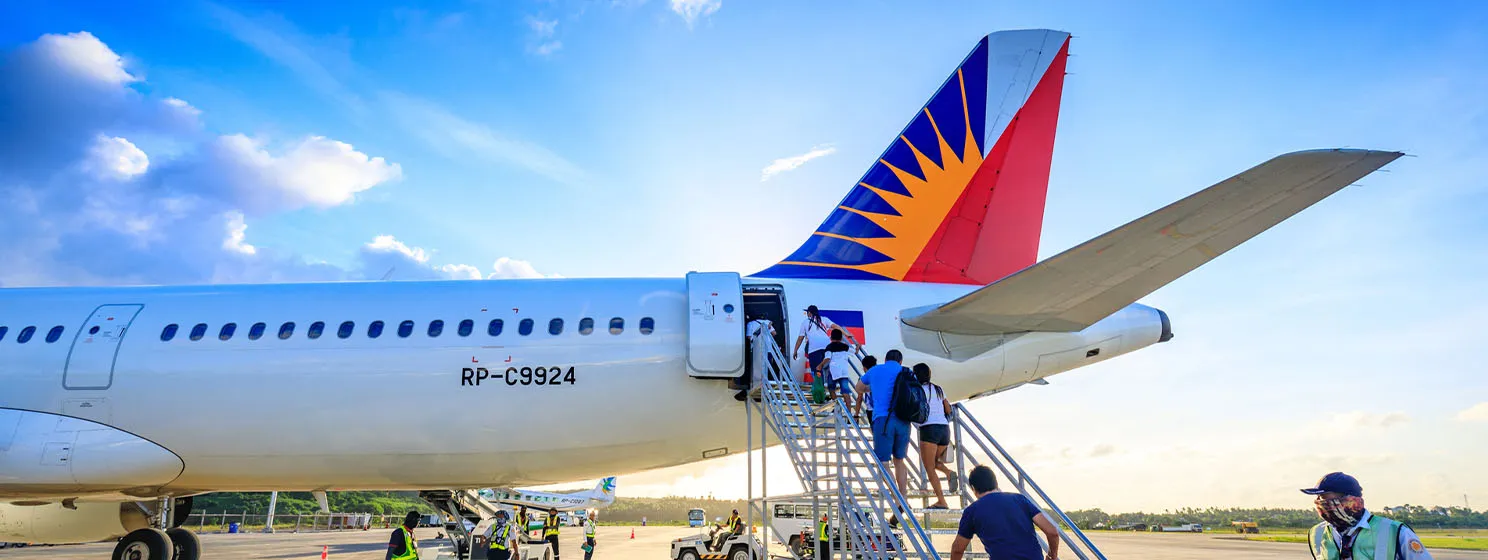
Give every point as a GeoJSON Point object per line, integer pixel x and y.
{"type": "Point", "coordinates": [715, 324]}
{"type": "Point", "coordinates": [90, 364]}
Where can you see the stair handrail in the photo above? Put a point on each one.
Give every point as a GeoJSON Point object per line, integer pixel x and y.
{"type": "Point", "coordinates": [982, 438]}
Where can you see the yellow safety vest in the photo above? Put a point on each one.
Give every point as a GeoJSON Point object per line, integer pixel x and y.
{"type": "Point", "coordinates": [1377, 541]}
{"type": "Point", "coordinates": [550, 527]}
{"type": "Point", "coordinates": [500, 536]}
{"type": "Point", "coordinates": [410, 547]}
{"type": "Point", "coordinates": [589, 529]}
{"type": "Point", "coordinates": [823, 534]}
{"type": "Point", "coordinates": [736, 524]}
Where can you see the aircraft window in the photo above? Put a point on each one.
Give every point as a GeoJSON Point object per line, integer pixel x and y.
{"type": "Point", "coordinates": [198, 331]}
{"type": "Point", "coordinates": [54, 334]}
{"type": "Point", "coordinates": [374, 329]}
{"type": "Point", "coordinates": [286, 330]}
{"type": "Point", "coordinates": [227, 331]}
{"type": "Point", "coordinates": [405, 328]}
{"type": "Point", "coordinates": [315, 329]}
{"type": "Point", "coordinates": [647, 325]}
{"type": "Point", "coordinates": [346, 328]}
{"type": "Point", "coordinates": [555, 327]}
{"type": "Point", "coordinates": [586, 325]}
{"type": "Point", "coordinates": [524, 328]}
{"type": "Point", "coordinates": [166, 334]}
{"type": "Point", "coordinates": [466, 326]}
{"type": "Point", "coordinates": [617, 325]}
{"type": "Point", "coordinates": [256, 331]}
{"type": "Point", "coordinates": [436, 328]}
{"type": "Point", "coordinates": [494, 329]}
{"type": "Point", "coordinates": [25, 335]}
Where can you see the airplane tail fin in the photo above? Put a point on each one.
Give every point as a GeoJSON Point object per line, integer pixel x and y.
{"type": "Point", "coordinates": [958, 196]}
{"type": "Point", "coordinates": [604, 491]}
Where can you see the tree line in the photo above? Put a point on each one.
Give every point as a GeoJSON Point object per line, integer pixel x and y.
{"type": "Point", "coordinates": [1281, 518]}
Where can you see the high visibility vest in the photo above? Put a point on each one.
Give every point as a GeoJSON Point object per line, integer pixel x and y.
{"type": "Point", "coordinates": [1376, 541]}
{"type": "Point", "coordinates": [410, 547]}
{"type": "Point", "coordinates": [550, 527]}
{"type": "Point", "coordinates": [500, 536]}
{"type": "Point", "coordinates": [736, 524]}
{"type": "Point", "coordinates": [589, 529]}
{"type": "Point", "coordinates": [823, 534]}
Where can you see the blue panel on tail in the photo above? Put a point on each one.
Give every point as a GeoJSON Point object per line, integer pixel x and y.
{"type": "Point", "coordinates": [849, 224]}
{"type": "Point", "coordinates": [831, 250]}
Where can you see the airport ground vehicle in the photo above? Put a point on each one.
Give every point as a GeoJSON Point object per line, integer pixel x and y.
{"type": "Point", "coordinates": [1246, 526]}
{"type": "Point", "coordinates": [1184, 528]}
{"type": "Point", "coordinates": [699, 547]}
{"type": "Point", "coordinates": [697, 517]}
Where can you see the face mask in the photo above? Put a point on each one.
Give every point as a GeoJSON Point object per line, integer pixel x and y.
{"type": "Point", "coordinates": [1341, 513]}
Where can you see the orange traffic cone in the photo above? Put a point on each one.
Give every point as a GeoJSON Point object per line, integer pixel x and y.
{"type": "Point", "coordinates": [632, 533]}
{"type": "Point", "coordinates": [325, 550]}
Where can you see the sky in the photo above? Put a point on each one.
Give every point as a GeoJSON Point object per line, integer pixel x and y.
{"type": "Point", "coordinates": [199, 142]}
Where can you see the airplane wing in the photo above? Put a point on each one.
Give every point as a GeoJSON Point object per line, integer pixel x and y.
{"type": "Point", "coordinates": [1087, 283]}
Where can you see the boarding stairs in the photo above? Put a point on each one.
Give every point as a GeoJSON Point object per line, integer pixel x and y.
{"type": "Point", "coordinates": [831, 452]}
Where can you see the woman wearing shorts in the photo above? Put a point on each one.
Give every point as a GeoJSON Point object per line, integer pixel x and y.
{"type": "Point", "coordinates": [935, 434]}
{"type": "Point", "coordinates": [838, 369]}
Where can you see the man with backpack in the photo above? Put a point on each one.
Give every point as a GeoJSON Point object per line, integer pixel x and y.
{"type": "Point", "coordinates": [897, 401]}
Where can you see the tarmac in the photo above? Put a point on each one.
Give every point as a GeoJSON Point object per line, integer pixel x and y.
{"type": "Point", "coordinates": [653, 543]}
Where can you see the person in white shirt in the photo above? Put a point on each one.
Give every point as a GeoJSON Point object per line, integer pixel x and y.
{"type": "Point", "coordinates": [837, 368]}
{"type": "Point", "coordinates": [815, 332]}
{"type": "Point", "coordinates": [756, 329]}
{"type": "Point", "coordinates": [935, 435]}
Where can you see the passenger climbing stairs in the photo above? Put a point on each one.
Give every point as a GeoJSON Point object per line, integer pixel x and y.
{"type": "Point", "coordinates": [831, 452]}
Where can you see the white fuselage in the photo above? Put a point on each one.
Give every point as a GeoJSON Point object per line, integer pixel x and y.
{"type": "Point", "coordinates": [392, 412]}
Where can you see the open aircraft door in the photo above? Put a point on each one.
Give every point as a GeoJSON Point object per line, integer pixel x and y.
{"type": "Point", "coordinates": [715, 324]}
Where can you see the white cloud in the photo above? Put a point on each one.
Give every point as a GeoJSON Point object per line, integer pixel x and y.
{"type": "Point", "coordinates": [691, 10]}
{"type": "Point", "coordinates": [458, 138]}
{"type": "Point", "coordinates": [112, 157]}
{"type": "Point", "coordinates": [548, 48]}
{"type": "Point", "coordinates": [506, 267]}
{"type": "Point", "coordinates": [182, 106]}
{"type": "Point", "coordinates": [236, 232]}
{"type": "Point", "coordinates": [542, 28]}
{"type": "Point", "coordinates": [84, 54]}
{"type": "Point", "coordinates": [1474, 413]}
{"type": "Point", "coordinates": [788, 163]}
{"type": "Point", "coordinates": [388, 244]}
{"type": "Point", "coordinates": [316, 172]}
{"type": "Point", "coordinates": [1360, 419]}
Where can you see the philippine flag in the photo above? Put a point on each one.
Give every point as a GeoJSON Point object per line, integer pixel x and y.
{"type": "Point", "coordinates": [850, 321]}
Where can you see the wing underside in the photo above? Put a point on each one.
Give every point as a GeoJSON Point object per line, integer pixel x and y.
{"type": "Point", "coordinates": [1082, 285]}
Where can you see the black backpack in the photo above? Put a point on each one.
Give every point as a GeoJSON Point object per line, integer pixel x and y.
{"type": "Point", "coordinates": [908, 400]}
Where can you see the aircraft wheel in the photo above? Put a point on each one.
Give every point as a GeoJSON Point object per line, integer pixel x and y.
{"type": "Point", "coordinates": [144, 544]}
{"type": "Point", "coordinates": [185, 544]}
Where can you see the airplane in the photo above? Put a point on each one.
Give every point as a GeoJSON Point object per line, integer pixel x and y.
{"type": "Point", "coordinates": [119, 403]}
{"type": "Point", "coordinates": [603, 494]}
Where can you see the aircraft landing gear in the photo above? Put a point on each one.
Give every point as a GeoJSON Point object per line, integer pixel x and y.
{"type": "Point", "coordinates": [184, 543]}
{"type": "Point", "coordinates": [144, 544]}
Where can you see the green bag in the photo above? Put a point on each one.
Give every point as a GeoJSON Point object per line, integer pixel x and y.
{"type": "Point", "coordinates": [819, 390]}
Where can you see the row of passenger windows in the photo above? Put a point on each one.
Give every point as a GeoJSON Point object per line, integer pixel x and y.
{"type": "Point", "coordinates": [375, 328]}
{"type": "Point", "coordinates": [27, 333]}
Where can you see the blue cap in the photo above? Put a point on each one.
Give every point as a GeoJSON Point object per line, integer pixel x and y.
{"type": "Point", "coordinates": [1336, 482]}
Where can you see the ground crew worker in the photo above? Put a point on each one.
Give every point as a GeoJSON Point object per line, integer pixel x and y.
{"type": "Point", "coordinates": [731, 528]}
{"type": "Point", "coordinates": [589, 541]}
{"type": "Point", "coordinates": [550, 531]}
{"type": "Point", "coordinates": [823, 539]}
{"type": "Point", "coordinates": [502, 541]}
{"type": "Point", "coordinates": [403, 546]}
{"type": "Point", "coordinates": [1350, 532]}
{"type": "Point", "coordinates": [522, 522]}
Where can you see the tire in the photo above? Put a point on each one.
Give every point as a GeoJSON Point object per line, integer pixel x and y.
{"type": "Point", "coordinates": [185, 544]}
{"type": "Point", "coordinates": [688, 554]}
{"type": "Point", "coordinates": [795, 545]}
{"type": "Point", "coordinates": [740, 552]}
{"type": "Point", "coordinates": [144, 544]}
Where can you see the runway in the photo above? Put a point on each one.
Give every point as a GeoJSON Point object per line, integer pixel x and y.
{"type": "Point", "coordinates": [653, 543]}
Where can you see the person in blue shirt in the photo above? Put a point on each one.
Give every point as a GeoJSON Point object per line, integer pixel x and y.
{"type": "Point", "coordinates": [1004, 522]}
{"type": "Point", "coordinates": [890, 433]}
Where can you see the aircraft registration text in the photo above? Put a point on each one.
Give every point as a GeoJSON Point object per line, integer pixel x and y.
{"type": "Point", "coordinates": [555, 375]}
